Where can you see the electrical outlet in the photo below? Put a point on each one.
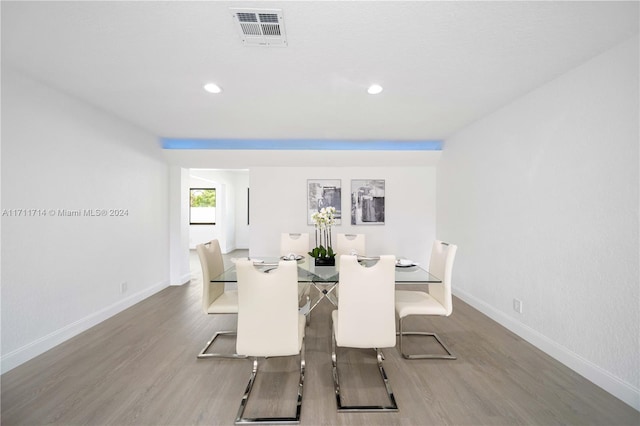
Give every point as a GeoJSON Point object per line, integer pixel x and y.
{"type": "Point", "coordinates": [123, 287]}
{"type": "Point", "coordinates": [517, 305]}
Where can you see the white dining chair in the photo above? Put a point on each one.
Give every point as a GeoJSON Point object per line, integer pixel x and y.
{"type": "Point", "coordinates": [350, 244]}
{"type": "Point", "coordinates": [365, 323]}
{"type": "Point", "coordinates": [269, 324]}
{"type": "Point", "coordinates": [438, 302]}
{"type": "Point", "coordinates": [353, 244]}
{"type": "Point", "coordinates": [298, 243]}
{"type": "Point", "coordinates": [215, 298]}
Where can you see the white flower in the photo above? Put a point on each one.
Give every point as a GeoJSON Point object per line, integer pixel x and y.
{"type": "Point", "coordinates": [324, 218]}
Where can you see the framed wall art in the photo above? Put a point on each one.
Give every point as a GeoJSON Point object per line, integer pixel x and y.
{"type": "Point", "coordinates": [324, 193]}
{"type": "Point", "coordinates": [367, 202]}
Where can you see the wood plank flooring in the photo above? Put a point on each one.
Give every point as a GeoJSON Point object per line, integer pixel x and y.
{"type": "Point", "coordinates": [140, 368]}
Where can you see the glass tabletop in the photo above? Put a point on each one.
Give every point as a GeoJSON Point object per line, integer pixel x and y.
{"type": "Point", "coordinates": [308, 272]}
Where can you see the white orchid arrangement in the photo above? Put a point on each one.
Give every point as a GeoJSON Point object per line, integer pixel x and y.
{"type": "Point", "coordinates": [324, 220]}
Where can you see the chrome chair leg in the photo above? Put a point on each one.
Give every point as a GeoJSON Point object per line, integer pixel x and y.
{"type": "Point", "coordinates": [402, 333]}
{"type": "Point", "coordinates": [306, 310]}
{"type": "Point", "coordinates": [392, 407]}
{"type": "Point", "coordinates": [204, 355]}
{"type": "Point", "coordinates": [385, 379]}
{"type": "Point", "coordinates": [240, 420]}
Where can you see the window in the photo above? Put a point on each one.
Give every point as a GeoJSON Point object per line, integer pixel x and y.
{"type": "Point", "coordinates": [202, 206]}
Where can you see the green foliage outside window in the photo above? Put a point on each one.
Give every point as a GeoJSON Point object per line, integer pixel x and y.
{"type": "Point", "coordinates": [203, 198]}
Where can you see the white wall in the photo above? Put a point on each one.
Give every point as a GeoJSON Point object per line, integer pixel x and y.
{"type": "Point", "coordinates": [61, 275]}
{"type": "Point", "coordinates": [279, 204]}
{"type": "Point", "coordinates": [179, 267]}
{"type": "Point", "coordinates": [241, 185]}
{"type": "Point", "coordinates": [542, 199]}
{"type": "Point", "coordinates": [250, 158]}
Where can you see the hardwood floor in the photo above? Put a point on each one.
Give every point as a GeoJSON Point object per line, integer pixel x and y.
{"type": "Point", "coordinates": [140, 368]}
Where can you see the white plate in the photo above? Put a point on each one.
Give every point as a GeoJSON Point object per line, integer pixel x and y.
{"type": "Point", "coordinates": [298, 257]}
{"type": "Point", "coordinates": [235, 259]}
{"type": "Point", "coordinates": [405, 264]}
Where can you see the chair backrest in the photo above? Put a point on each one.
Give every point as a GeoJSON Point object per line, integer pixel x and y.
{"type": "Point", "coordinates": [267, 310]}
{"type": "Point", "coordinates": [345, 243]}
{"type": "Point", "coordinates": [366, 307]}
{"type": "Point", "coordinates": [441, 265]}
{"type": "Point", "coordinates": [212, 266]}
{"type": "Point", "coordinates": [294, 243]}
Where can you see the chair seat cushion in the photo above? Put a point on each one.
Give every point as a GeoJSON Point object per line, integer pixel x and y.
{"type": "Point", "coordinates": [374, 339]}
{"type": "Point", "coordinates": [227, 303]}
{"type": "Point", "coordinates": [417, 303]}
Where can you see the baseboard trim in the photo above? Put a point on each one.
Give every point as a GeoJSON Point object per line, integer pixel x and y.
{"type": "Point", "coordinates": [624, 391]}
{"type": "Point", "coordinates": [183, 279]}
{"type": "Point", "coordinates": [31, 350]}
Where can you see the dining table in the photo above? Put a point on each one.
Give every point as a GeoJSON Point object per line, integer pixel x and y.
{"type": "Point", "coordinates": [326, 278]}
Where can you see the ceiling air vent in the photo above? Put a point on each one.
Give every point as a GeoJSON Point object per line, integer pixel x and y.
{"type": "Point", "coordinates": [260, 27]}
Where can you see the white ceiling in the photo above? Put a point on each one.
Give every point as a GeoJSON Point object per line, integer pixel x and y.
{"type": "Point", "coordinates": [443, 64]}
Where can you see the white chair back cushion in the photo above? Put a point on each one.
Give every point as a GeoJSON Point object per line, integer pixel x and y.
{"type": "Point", "coordinates": [441, 265]}
{"type": "Point", "coordinates": [345, 243]}
{"type": "Point", "coordinates": [366, 307]}
{"type": "Point", "coordinates": [294, 243]}
{"type": "Point", "coordinates": [212, 266]}
{"type": "Point", "coordinates": [268, 319]}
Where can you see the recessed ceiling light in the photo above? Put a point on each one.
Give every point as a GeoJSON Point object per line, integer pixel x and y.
{"type": "Point", "coordinates": [374, 89]}
{"type": "Point", "coordinates": [212, 88]}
